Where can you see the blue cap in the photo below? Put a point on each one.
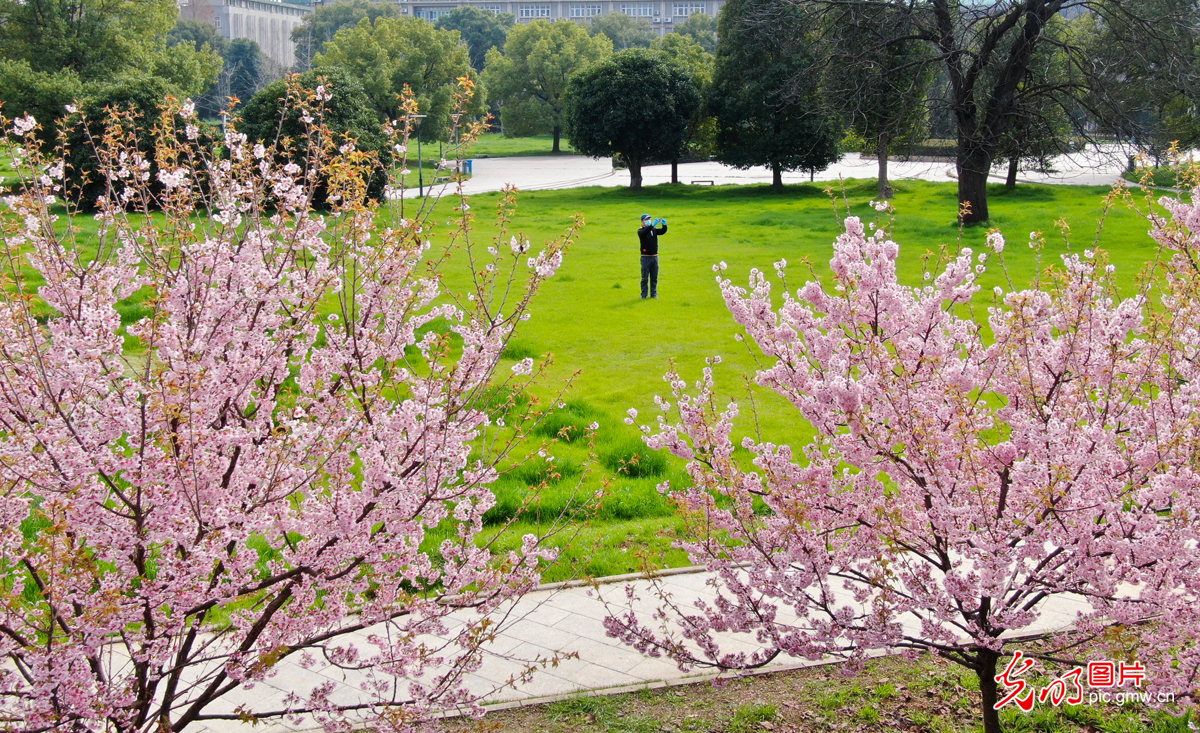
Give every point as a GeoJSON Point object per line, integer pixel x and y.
{"type": "Point", "coordinates": [645, 217]}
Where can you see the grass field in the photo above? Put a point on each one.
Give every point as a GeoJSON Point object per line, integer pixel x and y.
{"type": "Point", "coordinates": [612, 348]}
{"type": "Point", "coordinates": [609, 349]}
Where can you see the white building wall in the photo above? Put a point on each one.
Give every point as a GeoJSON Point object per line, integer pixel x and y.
{"type": "Point", "coordinates": [267, 23]}
{"type": "Point", "coordinates": [662, 14]}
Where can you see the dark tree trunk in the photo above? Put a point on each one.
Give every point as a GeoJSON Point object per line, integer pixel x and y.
{"type": "Point", "coordinates": [988, 689]}
{"type": "Point", "coordinates": [973, 165]}
{"type": "Point", "coordinates": [1014, 165]}
{"type": "Point", "coordinates": [674, 170]}
{"type": "Point", "coordinates": [885, 188]}
{"type": "Point", "coordinates": [557, 135]}
{"type": "Point", "coordinates": [776, 177]}
{"type": "Point", "coordinates": [635, 173]}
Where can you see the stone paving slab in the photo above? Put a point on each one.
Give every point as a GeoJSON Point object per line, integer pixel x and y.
{"type": "Point", "coordinates": [563, 620]}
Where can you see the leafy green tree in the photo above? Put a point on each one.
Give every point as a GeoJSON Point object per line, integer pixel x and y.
{"type": "Point", "coordinates": [684, 51]}
{"type": "Point", "coordinates": [96, 39]}
{"type": "Point", "coordinates": [188, 71]}
{"type": "Point", "coordinates": [701, 28]}
{"type": "Point", "coordinates": [348, 113]}
{"type": "Point", "coordinates": [480, 29]}
{"type": "Point", "coordinates": [636, 104]}
{"type": "Point", "coordinates": [395, 52]}
{"type": "Point", "coordinates": [321, 25]}
{"type": "Point", "coordinates": [531, 77]}
{"type": "Point", "coordinates": [243, 75]}
{"type": "Point", "coordinates": [765, 94]}
{"type": "Point", "coordinates": [137, 99]}
{"type": "Point", "coordinates": [197, 33]}
{"type": "Point", "coordinates": [878, 85]}
{"type": "Point", "coordinates": [625, 31]}
{"type": "Point", "coordinates": [41, 94]}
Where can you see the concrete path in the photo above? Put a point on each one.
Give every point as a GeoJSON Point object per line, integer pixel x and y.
{"type": "Point", "coordinates": [1093, 167]}
{"type": "Point", "coordinates": [556, 620]}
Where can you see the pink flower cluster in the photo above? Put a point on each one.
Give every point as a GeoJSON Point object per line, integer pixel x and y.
{"type": "Point", "coordinates": [962, 475]}
{"type": "Point", "coordinates": [250, 469]}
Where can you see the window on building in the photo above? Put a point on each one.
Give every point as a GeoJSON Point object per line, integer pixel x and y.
{"type": "Point", "coordinates": [639, 9]}
{"type": "Point", "coordinates": [579, 10]}
{"type": "Point", "coordinates": [534, 11]}
{"type": "Point", "coordinates": [494, 8]}
{"type": "Point", "coordinates": [686, 9]}
{"type": "Point", "coordinates": [434, 13]}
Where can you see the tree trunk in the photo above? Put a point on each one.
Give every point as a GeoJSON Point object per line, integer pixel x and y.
{"type": "Point", "coordinates": [1014, 164]}
{"type": "Point", "coordinates": [885, 189]}
{"type": "Point", "coordinates": [635, 173]}
{"type": "Point", "coordinates": [988, 689]}
{"type": "Point", "coordinates": [557, 135]}
{"type": "Point", "coordinates": [674, 170]}
{"type": "Point", "coordinates": [973, 166]}
{"type": "Point", "coordinates": [776, 177]}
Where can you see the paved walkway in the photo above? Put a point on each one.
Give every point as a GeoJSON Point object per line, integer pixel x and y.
{"type": "Point", "coordinates": [1100, 167]}
{"type": "Point", "coordinates": [556, 620]}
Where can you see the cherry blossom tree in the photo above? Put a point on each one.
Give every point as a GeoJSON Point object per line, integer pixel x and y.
{"type": "Point", "coordinates": [233, 433]}
{"type": "Point", "coordinates": [967, 469]}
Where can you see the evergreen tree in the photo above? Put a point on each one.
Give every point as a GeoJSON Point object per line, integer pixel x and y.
{"type": "Point", "coordinates": [636, 104]}
{"type": "Point", "coordinates": [530, 78]}
{"type": "Point", "coordinates": [765, 95]}
{"type": "Point", "coordinates": [480, 29]}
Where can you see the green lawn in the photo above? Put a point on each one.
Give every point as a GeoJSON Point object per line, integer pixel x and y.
{"type": "Point", "coordinates": [496, 145]}
{"type": "Point", "coordinates": [613, 348]}
{"type": "Point", "coordinates": [610, 348]}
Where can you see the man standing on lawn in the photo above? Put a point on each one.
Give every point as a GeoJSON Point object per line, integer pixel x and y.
{"type": "Point", "coordinates": [649, 234]}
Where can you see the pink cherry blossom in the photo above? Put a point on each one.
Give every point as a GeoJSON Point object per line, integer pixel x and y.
{"type": "Point", "coordinates": [251, 465]}
{"type": "Point", "coordinates": [959, 478]}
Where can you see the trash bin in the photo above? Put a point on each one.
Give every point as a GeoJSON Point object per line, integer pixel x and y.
{"type": "Point", "coordinates": [467, 166]}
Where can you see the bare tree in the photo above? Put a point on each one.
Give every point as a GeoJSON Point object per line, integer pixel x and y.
{"type": "Point", "coordinates": [990, 51]}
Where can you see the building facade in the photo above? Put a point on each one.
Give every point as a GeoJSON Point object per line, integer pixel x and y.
{"type": "Point", "coordinates": [662, 14]}
{"type": "Point", "coordinates": [265, 22]}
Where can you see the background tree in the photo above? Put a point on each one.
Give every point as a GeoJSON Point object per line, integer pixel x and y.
{"type": "Point", "coordinates": [82, 46]}
{"type": "Point", "coordinates": [44, 95]}
{"type": "Point", "coordinates": [198, 33]}
{"type": "Point", "coordinates": [136, 102]}
{"type": "Point", "coordinates": [625, 31]}
{"type": "Point", "coordinates": [274, 115]}
{"type": "Point", "coordinates": [532, 75]}
{"type": "Point", "coordinates": [244, 69]}
{"type": "Point", "coordinates": [956, 482]}
{"type": "Point", "coordinates": [480, 29]}
{"type": "Point", "coordinates": [395, 52]}
{"type": "Point", "coordinates": [701, 28]}
{"type": "Point", "coordinates": [1146, 84]}
{"type": "Point", "coordinates": [765, 94]}
{"type": "Point", "coordinates": [96, 39]}
{"type": "Point", "coordinates": [988, 51]}
{"type": "Point", "coordinates": [878, 85]}
{"type": "Point", "coordinates": [321, 25]}
{"type": "Point", "coordinates": [636, 104]}
{"type": "Point", "coordinates": [257, 480]}
{"type": "Point", "coordinates": [700, 137]}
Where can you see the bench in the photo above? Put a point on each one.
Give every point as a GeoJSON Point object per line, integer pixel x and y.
{"type": "Point", "coordinates": [699, 182]}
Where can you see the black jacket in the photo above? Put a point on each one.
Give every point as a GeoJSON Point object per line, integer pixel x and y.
{"type": "Point", "coordinates": [649, 237]}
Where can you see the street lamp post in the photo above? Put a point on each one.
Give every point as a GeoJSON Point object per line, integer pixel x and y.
{"type": "Point", "coordinates": [420, 161]}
